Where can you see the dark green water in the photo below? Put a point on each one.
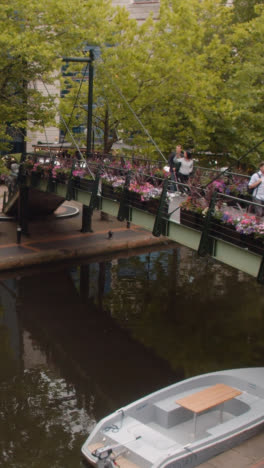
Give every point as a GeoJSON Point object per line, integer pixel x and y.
{"type": "Point", "coordinates": [77, 343]}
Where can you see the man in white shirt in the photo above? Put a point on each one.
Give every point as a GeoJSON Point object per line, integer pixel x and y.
{"type": "Point", "coordinates": [257, 183]}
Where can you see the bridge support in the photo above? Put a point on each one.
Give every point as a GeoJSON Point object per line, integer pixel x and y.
{"type": "Point", "coordinates": [123, 212]}
{"type": "Point", "coordinates": [160, 224]}
{"type": "Point", "coordinates": [206, 242]}
{"type": "Point", "coordinates": [94, 203]}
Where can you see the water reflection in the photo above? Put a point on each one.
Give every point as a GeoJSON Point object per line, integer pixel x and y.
{"type": "Point", "coordinates": [78, 343]}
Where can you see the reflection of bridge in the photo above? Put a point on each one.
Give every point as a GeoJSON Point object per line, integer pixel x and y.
{"type": "Point", "coordinates": [202, 233]}
{"type": "Point", "coordinates": [92, 350]}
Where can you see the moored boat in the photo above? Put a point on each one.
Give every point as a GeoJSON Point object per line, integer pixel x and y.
{"type": "Point", "coordinates": [184, 424]}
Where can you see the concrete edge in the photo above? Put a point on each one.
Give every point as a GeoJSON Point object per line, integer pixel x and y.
{"type": "Point", "coordinates": [89, 252]}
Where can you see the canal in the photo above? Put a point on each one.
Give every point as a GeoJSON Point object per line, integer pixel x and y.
{"type": "Point", "coordinates": [79, 342]}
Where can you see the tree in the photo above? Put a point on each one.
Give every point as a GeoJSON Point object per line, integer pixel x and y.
{"type": "Point", "coordinates": [165, 74]}
{"type": "Point", "coordinates": [34, 35]}
{"type": "Point", "coordinates": [192, 77]}
{"type": "Point", "coordinates": [245, 10]}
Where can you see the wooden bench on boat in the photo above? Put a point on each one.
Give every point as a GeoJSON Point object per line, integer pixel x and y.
{"type": "Point", "coordinates": [207, 399]}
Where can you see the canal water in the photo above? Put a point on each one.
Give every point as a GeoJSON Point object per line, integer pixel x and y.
{"type": "Point", "coordinates": [79, 342]}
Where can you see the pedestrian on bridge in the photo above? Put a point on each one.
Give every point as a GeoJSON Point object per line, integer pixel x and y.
{"type": "Point", "coordinates": [257, 183]}
{"type": "Point", "coordinates": [174, 163]}
{"type": "Point", "coordinates": [185, 169]}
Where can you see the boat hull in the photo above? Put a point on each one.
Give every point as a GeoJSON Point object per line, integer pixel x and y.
{"type": "Point", "coordinates": [158, 431]}
{"type": "Point", "coordinates": [194, 459]}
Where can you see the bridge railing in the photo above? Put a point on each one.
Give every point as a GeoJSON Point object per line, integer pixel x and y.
{"type": "Point", "coordinates": [138, 188]}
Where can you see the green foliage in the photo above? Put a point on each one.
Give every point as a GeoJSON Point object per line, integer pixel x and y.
{"type": "Point", "coordinates": [245, 10]}
{"type": "Point", "coordinates": [193, 77]}
{"type": "Point", "coordinates": [33, 35]}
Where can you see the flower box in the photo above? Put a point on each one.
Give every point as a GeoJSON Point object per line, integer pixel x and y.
{"type": "Point", "coordinates": [135, 199]}
{"type": "Point", "coordinates": [86, 185]}
{"type": "Point", "coordinates": [109, 192]}
{"type": "Point", "coordinates": [225, 232]}
{"type": "Point", "coordinates": [35, 178]}
{"type": "Point", "coordinates": [252, 243]}
{"type": "Point", "coordinates": [61, 179]}
{"type": "Point", "coordinates": [192, 219]}
{"type": "Point", "coordinates": [151, 205]}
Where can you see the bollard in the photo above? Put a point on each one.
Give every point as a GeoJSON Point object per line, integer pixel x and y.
{"type": "Point", "coordinates": [19, 232]}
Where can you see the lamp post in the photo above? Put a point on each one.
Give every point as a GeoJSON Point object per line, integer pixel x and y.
{"type": "Point", "coordinates": [87, 210]}
{"type": "Point", "coordinates": [89, 60]}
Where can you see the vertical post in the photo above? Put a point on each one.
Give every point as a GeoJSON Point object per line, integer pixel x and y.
{"type": "Point", "coordinates": [23, 209]}
{"type": "Point", "coordinates": [123, 212]}
{"type": "Point", "coordinates": [90, 106]}
{"type": "Point", "coordinates": [206, 243]}
{"type": "Point", "coordinates": [160, 223]}
{"type": "Point", "coordinates": [88, 210]}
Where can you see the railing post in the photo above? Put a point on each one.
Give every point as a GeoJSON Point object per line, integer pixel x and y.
{"type": "Point", "coordinates": [23, 209]}
{"type": "Point", "coordinates": [206, 243]}
{"type": "Point", "coordinates": [123, 212]}
{"type": "Point", "coordinates": [21, 175]}
{"type": "Point", "coordinates": [51, 182]}
{"type": "Point", "coordinates": [159, 225]}
{"type": "Point", "coordinates": [94, 203]}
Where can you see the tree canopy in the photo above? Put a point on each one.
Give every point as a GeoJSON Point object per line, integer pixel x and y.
{"type": "Point", "coordinates": [34, 35]}
{"type": "Point", "coordinates": [193, 77]}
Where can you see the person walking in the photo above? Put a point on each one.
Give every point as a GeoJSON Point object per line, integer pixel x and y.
{"type": "Point", "coordinates": [257, 183]}
{"type": "Point", "coordinates": [174, 164]}
{"type": "Point", "coordinates": [185, 170]}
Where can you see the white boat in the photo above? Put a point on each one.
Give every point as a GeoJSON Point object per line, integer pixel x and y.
{"type": "Point", "coordinates": [182, 425]}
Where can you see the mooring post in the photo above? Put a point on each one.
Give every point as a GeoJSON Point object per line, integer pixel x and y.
{"type": "Point", "coordinates": [19, 232]}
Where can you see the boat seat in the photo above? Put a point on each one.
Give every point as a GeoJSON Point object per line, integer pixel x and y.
{"type": "Point", "coordinates": [167, 413]}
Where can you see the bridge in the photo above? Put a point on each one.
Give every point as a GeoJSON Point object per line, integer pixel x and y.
{"type": "Point", "coordinates": [202, 230]}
